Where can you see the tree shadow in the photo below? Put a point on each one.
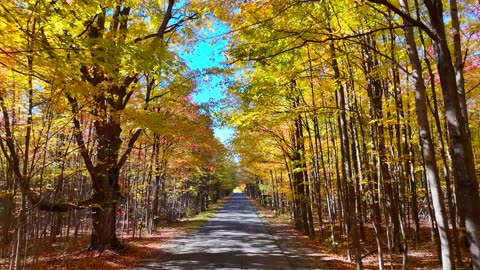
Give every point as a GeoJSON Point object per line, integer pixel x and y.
{"type": "Point", "coordinates": [234, 238]}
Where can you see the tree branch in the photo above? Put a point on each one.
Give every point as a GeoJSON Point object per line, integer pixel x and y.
{"type": "Point", "coordinates": [162, 30]}
{"type": "Point", "coordinates": [406, 17]}
{"type": "Point", "coordinates": [305, 41]}
{"type": "Point", "coordinates": [57, 207]}
{"type": "Point", "coordinates": [126, 83]}
{"type": "Point", "coordinates": [130, 145]}
{"type": "Point", "coordinates": [166, 19]}
{"type": "Point", "coordinates": [14, 159]}
{"type": "Point", "coordinates": [78, 135]}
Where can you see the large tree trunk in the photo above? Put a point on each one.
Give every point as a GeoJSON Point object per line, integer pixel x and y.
{"type": "Point", "coordinates": [428, 148]}
{"type": "Point", "coordinates": [103, 223]}
{"type": "Point", "coordinates": [462, 156]}
{"type": "Point", "coordinates": [105, 170]}
{"type": "Point", "coordinates": [9, 207]}
{"type": "Point", "coordinates": [105, 185]}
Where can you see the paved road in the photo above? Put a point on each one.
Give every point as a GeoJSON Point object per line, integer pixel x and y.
{"type": "Point", "coordinates": [234, 238]}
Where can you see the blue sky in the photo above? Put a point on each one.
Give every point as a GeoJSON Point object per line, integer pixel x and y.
{"type": "Point", "coordinates": [207, 55]}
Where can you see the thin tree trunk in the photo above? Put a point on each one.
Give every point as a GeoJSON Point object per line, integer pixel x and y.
{"type": "Point", "coordinates": [346, 166]}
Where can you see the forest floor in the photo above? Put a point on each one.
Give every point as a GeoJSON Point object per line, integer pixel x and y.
{"type": "Point", "coordinates": [69, 255]}
{"type": "Point", "coordinates": [72, 255]}
{"type": "Point", "coordinates": [421, 256]}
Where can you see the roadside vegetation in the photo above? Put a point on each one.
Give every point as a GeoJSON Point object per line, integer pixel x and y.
{"type": "Point", "coordinates": [356, 120]}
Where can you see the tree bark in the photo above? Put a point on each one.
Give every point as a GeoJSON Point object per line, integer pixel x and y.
{"type": "Point", "coordinates": [428, 147]}
{"type": "Point", "coordinates": [346, 160]}
{"type": "Point", "coordinates": [458, 130]}
{"type": "Point", "coordinates": [302, 200]}
{"type": "Point", "coordinates": [375, 91]}
{"type": "Point", "coordinates": [463, 161]}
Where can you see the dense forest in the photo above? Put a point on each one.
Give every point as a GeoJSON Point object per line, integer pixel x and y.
{"type": "Point", "coordinates": [99, 133]}
{"type": "Point", "coordinates": [355, 116]}
{"type": "Point", "coordinates": [356, 119]}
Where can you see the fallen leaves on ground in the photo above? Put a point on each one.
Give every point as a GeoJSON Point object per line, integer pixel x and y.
{"type": "Point", "coordinates": [71, 254]}
{"type": "Point", "coordinates": [421, 256]}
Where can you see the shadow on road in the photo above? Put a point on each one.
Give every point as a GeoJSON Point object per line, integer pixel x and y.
{"type": "Point", "coordinates": [234, 238]}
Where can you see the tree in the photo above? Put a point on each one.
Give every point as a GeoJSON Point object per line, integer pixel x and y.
{"type": "Point", "coordinates": [428, 147]}
{"type": "Point", "coordinates": [462, 153]}
{"type": "Point", "coordinates": [96, 55]}
{"type": "Point", "coordinates": [288, 42]}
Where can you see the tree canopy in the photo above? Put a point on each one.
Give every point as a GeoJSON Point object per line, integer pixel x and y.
{"type": "Point", "coordinates": [350, 117]}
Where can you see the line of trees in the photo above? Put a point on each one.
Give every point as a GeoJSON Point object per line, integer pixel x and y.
{"type": "Point", "coordinates": [98, 130]}
{"type": "Point", "coordinates": [353, 114]}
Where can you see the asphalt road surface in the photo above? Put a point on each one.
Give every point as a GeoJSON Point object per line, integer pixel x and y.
{"type": "Point", "coordinates": [234, 238]}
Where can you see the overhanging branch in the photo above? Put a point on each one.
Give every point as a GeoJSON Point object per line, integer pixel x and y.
{"type": "Point", "coordinates": [44, 205]}
{"type": "Point", "coordinates": [406, 17]}
{"type": "Point", "coordinates": [129, 149]}
{"type": "Point", "coordinates": [79, 136]}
